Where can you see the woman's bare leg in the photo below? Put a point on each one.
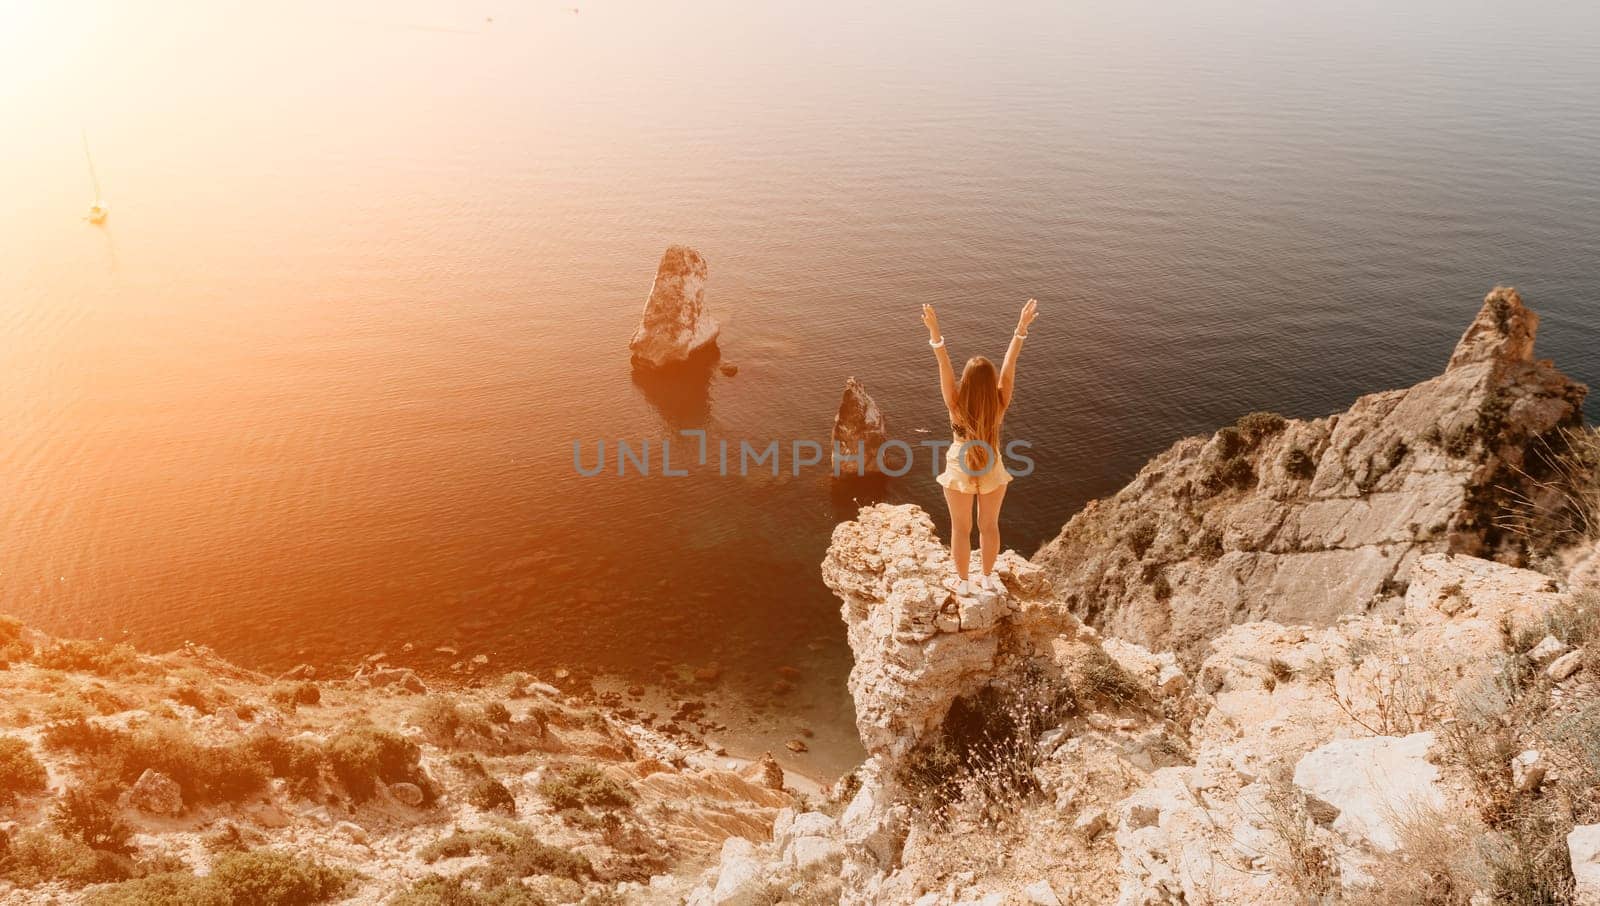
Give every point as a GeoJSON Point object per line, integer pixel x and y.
{"type": "Point", "coordinates": [989, 526]}
{"type": "Point", "coordinates": [960, 529]}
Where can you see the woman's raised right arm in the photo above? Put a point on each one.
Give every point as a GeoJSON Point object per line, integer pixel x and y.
{"type": "Point", "coordinates": [947, 375]}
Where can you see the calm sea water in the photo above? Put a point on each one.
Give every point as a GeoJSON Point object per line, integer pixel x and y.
{"type": "Point", "coordinates": [311, 392]}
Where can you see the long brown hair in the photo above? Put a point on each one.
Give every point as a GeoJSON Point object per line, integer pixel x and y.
{"type": "Point", "coordinates": [979, 408]}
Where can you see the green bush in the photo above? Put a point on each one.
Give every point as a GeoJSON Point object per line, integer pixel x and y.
{"type": "Point", "coordinates": [1257, 426]}
{"type": "Point", "coordinates": [487, 794]}
{"type": "Point", "coordinates": [95, 656]}
{"type": "Point", "coordinates": [513, 853]}
{"type": "Point", "coordinates": [20, 771]}
{"type": "Point", "coordinates": [304, 693]}
{"type": "Point", "coordinates": [442, 718]}
{"type": "Point", "coordinates": [440, 891]}
{"type": "Point", "coordinates": [529, 857]}
{"type": "Point", "coordinates": [256, 878]}
{"type": "Point", "coordinates": [363, 756]}
{"type": "Point", "coordinates": [465, 843]}
{"type": "Point", "coordinates": [84, 816]}
{"type": "Point", "coordinates": [36, 857]}
{"type": "Point", "coordinates": [584, 785]}
{"type": "Point", "coordinates": [172, 888]}
{"type": "Point", "coordinates": [12, 646]}
{"type": "Point", "coordinates": [266, 878]}
{"type": "Point", "coordinates": [1141, 536]}
{"type": "Point", "coordinates": [1298, 464]}
{"type": "Point", "coordinates": [227, 773]}
{"type": "Point", "coordinates": [291, 759]}
{"type": "Point", "coordinates": [80, 735]}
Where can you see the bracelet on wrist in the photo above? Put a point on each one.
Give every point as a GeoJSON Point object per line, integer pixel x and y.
{"type": "Point", "coordinates": [938, 345]}
{"type": "Point", "coordinates": [1020, 336]}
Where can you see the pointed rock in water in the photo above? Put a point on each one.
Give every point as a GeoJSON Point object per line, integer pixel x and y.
{"type": "Point", "coordinates": [859, 426]}
{"type": "Point", "coordinates": [1303, 521]}
{"type": "Point", "coordinates": [675, 325]}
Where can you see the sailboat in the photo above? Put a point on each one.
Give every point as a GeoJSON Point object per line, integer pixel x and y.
{"type": "Point", "coordinates": [99, 211]}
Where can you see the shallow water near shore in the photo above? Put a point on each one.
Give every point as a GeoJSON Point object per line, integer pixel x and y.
{"type": "Point", "coordinates": [311, 392]}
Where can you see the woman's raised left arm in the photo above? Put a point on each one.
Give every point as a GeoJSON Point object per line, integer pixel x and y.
{"type": "Point", "coordinates": [1008, 371]}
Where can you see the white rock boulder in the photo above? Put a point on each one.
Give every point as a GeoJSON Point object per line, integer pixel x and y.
{"type": "Point", "coordinates": [1583, 845]}
{"type": "Point", "coordinates": [1375, 783]}
{"type": "Point", "coordinates": [157, 794]}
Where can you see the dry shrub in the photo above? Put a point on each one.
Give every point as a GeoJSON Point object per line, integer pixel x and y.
{"type": "Point", "coordinates": [1393, 695]}
{"type": "Point", "coordinates": [815, 885]}
{"type": "Point", "coordinates": [459, 844]}
{"type": "Point", "coordinates": [1092, 678]}
{"type": "Point", "coordinates": [981, 763]}
{"type": "Point", "coordinates": [1442, 861]}
{"type": "Point", "coordinates": [1300, 857]}
{"type": "Point", "coordinates": [1521, 838]}
{"type": "Point", "coordinates": [105, 701]}
{"type": "Point", "coordinates": [1258, 426]}
{"type": "Point", "coordinates": [1561, 503]}
{"type": "Point", "coordinates": [294, 760]}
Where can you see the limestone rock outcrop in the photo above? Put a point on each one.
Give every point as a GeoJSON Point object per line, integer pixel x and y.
{"type": "Point", "coordinates": [1304, 521]}
{"type": "Point", "coordinates": [921, 650]}
{"type": "Point", "coordinates": [859, 432]}
{"type": "Point", "coordinates": [1289, 763]}
{"type": "Point", "coordinates": [675, 325]}
{"type": "Point", "coordinates": [918, 646]}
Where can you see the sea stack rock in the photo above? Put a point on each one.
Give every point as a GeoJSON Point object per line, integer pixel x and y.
{"type": "Point", "coordinates": [675, 325]}
{"type": "Point", "coordinates": [858, 428]}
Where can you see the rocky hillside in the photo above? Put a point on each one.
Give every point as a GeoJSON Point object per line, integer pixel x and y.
{"type": "Point", "coordinates": [1443, 754]}
{"type": "Point", "coordinates": [1285, 666]}
{"type": "Point", "coordinates": [135, 780]}
{"type": "Point", "coordinates": [1305, 521]}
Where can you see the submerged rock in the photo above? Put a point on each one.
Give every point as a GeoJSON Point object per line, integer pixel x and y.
{"type": "Point", "coordinates": [675, 324]}
{"type": "Point", "coordinates": [1303, 521]}
{"type": "Point", "coordinates": [859, 431]}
